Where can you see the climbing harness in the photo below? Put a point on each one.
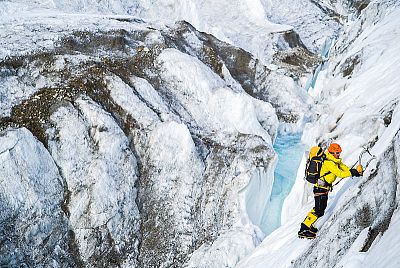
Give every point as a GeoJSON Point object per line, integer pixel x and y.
{"type": "Point", "coordinates": [319, 194]}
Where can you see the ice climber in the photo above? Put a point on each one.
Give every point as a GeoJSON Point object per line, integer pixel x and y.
{"type": "Point", "coordinates": [332, 167]}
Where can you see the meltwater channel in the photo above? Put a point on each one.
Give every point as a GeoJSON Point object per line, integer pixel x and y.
{"type": "Point", "coordinates": [290, 151]}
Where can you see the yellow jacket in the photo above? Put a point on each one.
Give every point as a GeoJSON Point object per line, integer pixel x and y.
{"type": "Point", "coordinates": [332, 168]}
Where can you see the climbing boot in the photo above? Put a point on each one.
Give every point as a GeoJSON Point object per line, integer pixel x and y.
{"type": "Point", "coordinates": [310, 219]}
{"type": "Point", "coordinates": [304, 227]}
{"type": "Point", "coordinates": [306, 234]}
{"type": "Point", "coordinates": [313, 229]}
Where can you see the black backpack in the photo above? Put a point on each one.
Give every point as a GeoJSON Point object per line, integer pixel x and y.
{"type": "Point", "coordinates": [314, 164]}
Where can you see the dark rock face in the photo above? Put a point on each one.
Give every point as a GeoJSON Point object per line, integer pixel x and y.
{"type": "Point", "coordinates": [355, 6]}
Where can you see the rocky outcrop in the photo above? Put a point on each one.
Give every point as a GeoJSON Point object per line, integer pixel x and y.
{"type": "Point", "coordinates": [138, 140]}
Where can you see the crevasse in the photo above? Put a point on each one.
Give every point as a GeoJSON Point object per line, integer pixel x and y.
{"type": "Point", "coordinates": [290, 152]}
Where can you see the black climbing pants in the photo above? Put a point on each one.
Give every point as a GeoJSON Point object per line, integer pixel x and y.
{"type": "Point", "coordinates": [321, 201]}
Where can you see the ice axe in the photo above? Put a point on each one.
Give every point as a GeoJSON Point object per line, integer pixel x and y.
{"type": "Point", "coordinates": [366, 150]}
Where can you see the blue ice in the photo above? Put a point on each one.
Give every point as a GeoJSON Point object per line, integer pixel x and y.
{"type": "Point", "coordinates": [290, 151]}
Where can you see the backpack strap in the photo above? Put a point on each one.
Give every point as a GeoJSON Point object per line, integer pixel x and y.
{"type": "Point", "coordinates": [325, 184]}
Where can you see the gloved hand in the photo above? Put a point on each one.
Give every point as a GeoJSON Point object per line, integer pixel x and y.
{"type": "Point", "coordinates": [355, 173]}
{"type": "Point", "coordinates": [359, 168]}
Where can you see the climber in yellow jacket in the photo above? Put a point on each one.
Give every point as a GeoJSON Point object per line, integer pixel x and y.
{"type": "Point", "coordinates": [332, 167]}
